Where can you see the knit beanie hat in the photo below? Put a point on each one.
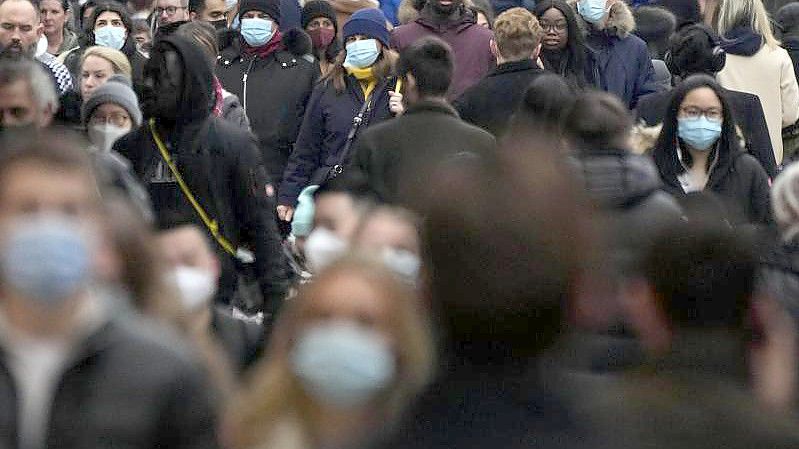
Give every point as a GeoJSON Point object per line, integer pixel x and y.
{"type": "Point", "coordinates": [302, 224]}
{"type": "Point", "coordinates": [785, 201]}
{"type": "Point", "coordinates": [271, 7]}
{"type": "Point", "coordinates": [788, 18]}
{"type": "Point", "coordinates": [368, 22]}
{"type": "Point", "coordinates": [116, 90]}
{"type": "Point", "coordinates": [318, 8]}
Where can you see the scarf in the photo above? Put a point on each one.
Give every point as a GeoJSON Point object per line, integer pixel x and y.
{"type": "Point", "coordinates": [274, 44]}
{"type": "Point", "coordinates": [219, 96]}
{"type": "Point", "coordinates": [366, 78]}
{"type": "Point", "coordinates": [742, 41]}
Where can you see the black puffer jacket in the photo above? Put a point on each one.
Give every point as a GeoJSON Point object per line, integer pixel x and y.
{"type": "Point", "coordinates": [220, 164]}
{"type": "Point", "coordinates": [628, 190]}
{"type": "Point", "coordinates": [274, 91]}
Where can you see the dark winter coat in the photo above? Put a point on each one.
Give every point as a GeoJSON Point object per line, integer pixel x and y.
{"type": "Point", "coordinates": [746, 109]}
{"type": "Point", "coordinates": [128, 385]}
{"type": "Point", "coordinates": [221, 165]}
{"type": "Point", "coordinates": [741, 184]}
{"type": "Point", "coordinates": [324, 132]}
{"type": "Point", "coordinates": [791, 44]}
{"type": "Point", "coordinates": [620, 58]}
{"type": "Point", "coordinates": [401, 155]}
{"type": "Point", "coordinates": [243, 342]}
{"type": "Point", "coordinates": [274, 92]}
{"type": "Point", "coordinates": [629, 194]}
{"type": "Point", "coordinates": [470, 45]}
{"type": "Point", "coordinates": [490, 103]}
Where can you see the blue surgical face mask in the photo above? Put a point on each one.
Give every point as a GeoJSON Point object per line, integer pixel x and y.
{"type": "Point", "coordinates": [343, 364]}
{"type": "Point", "coordinates": [361, 54]}
{"type": "Point", "coordinates": [591, 10]}
{"type": "Point", "coordinates": [110, 36]}
{"type": "Point", "coordinates": [257, 32]}
{"type": "Point", "coordinates": [699, 133]}
{"type": "Point", "coordinates": [47, 260]}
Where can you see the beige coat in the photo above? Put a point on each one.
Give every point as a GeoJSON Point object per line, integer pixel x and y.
{"type": "Point", "coordinates": [345, 8]}
{"type": "Point", "coordinates": [768, 74]}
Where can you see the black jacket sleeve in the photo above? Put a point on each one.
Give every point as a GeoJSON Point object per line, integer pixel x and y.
{"type": "Point", "coordinates": [254, 208]}
{"type": "Point", "coordinates": [758, 139]}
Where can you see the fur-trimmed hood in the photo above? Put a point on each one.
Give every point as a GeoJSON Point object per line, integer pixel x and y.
{"type": "Point", "coordinates": [620, 23]}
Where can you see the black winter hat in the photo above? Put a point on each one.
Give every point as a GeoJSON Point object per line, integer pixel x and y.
{"type": "Point", "coordinates": [788, 18]}
{"type": "Point", "coordinates": [318, 8]}
{"type": "Point", "coordinates": [271, 7]}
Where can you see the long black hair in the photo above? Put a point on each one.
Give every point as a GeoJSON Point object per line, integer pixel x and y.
{"type": "Point", "coordinates": [665, 151]}
{"type": "Point", "coordinates": [129, 47]}
{"type": "Point", "coordinates": [572, 61]}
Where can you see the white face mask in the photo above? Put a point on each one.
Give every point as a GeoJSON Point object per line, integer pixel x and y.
{"type": "Point", "coordinates": [104, 136]}
{"type": "Point", "coordinates": [402, 262]}
{"type": "Point", "coordinates": [323, 248]}
{"type": "Point", "coordinates": [197, 287]}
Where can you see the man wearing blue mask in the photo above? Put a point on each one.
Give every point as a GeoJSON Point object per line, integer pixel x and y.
{"type": "Point", "coordinates": [272, 72]}
{"type": "Point", "coordinates": [619, 60]}
{"type": "Point", "coordinates": [65, 356]}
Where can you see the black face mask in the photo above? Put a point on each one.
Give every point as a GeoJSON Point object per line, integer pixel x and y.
{"type": "Point", "coordinates": [220, 24]}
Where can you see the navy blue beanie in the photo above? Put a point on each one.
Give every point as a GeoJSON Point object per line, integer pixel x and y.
{"type": "Point", "coordinates": [369, 22]}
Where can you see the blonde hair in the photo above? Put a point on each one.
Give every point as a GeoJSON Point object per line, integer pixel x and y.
{"type": "Point", "coordinates": [517, 34]}
{"type": "Point", "coordinates": [117, 59]}
{"type": "Point", "coordinates": [383, 68]}
{"type": "Point", "coordinates": [733, 13]}
{"type": "Point", "coordinates": [274, 393]}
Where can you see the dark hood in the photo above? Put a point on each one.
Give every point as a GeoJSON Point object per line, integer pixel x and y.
{"type": "Point", "coordinates": [742, 41]}
{"type": "Point", "coordinates": [197, 98]}
{"type": "Point", "coordinates": [791, 43]}
{"type": "Point", "coordinates": [617, 179]}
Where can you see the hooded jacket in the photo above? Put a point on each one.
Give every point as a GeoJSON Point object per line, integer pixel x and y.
{"type": "Point", "coordinates": [774, 81]}
{"type": "Point", "coordinates": [628, 191]}
{"type": "Point", "coordinates": [220, 164]}
{"type": "Point", "coordinates": [470, 45]}
{"type": "Point", "coordinates": [619, 58]}
{"type": "Point", "coordinates": [273, 90]}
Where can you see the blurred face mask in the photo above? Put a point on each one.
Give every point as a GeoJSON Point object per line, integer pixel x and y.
{"type": "Point", "coordinates": [700, 132]}
{"type": "Point", "coordinates": [47, 260]}
{"type": "Point", "coordinates": [110, 36]}
{"type": "Point", "coordinates": [361, 54]}
{"type": "Point", "coordinates": [322, 248]}
{"type": "Point", "coordinates": [591, 10]}
{"type": "Point", "coordinates": [257, 32]}
{"type": "Point", "coordinates": [343, 364]}
{"type": "Point", "coordinates": [197, 287]}
{"type": "Point", "coordinates": [402, 262]}
{"type": "Point", "coordinates": [322, 37]}
{"type": "Point", "coordinates": [104, 136]}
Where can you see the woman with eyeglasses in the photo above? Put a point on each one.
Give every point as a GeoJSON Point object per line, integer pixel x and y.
{"type": "Point", "coordinates": [699, 150]}
{"type": "Point", "coordinates": [563, 48]}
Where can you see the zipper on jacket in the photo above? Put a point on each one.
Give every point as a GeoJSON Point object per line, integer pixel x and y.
{"type": "Point", "coordinates": [244, 82]}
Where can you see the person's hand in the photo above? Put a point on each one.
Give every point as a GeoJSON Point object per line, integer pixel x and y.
{"type": "Point", "coordinates": [285, 213]}
{"type": "Point", "coordinates": [395, 103]}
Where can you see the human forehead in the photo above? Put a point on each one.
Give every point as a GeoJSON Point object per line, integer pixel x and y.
{"type": "Point", "coordinates": [19, 12]}
{"type": "Point", "coordinates": [165, 3]}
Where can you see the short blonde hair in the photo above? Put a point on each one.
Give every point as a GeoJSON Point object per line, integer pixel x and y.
{"type": "Point", "coordinates": [117, 59]}
{"type": "Point", "coordinates": [274, 392]}
{"type": "Point", "coordinates": [734, 13]}
{"type": "Point", "coordinates": [517, 34]}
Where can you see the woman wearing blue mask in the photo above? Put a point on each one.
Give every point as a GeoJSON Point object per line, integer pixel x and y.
{"type": "Point", "coordinates": [343, 364]}
{"type": "Point", "coordinates": [110, 26]}
{"type": "Point", "coordinates": [272, 72]}
{"type": "Point", "coordinates": [357, 89]}
{"type": "Point", "coordinates": [699, 149]}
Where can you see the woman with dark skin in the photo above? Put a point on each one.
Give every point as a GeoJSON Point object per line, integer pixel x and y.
{"type": "Point", "coordinates": [563, 49]}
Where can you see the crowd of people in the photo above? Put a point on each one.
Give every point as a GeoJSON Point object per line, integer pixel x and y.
{"type": "Point", "coordinates": [363, 224]}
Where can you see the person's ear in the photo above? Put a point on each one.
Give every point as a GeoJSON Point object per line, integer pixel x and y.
{"type": "Point", "coordinates": [39, 30]}
{"type": "Point", "coordinates": [494, 49]}
{"type": "Point", "coordinates": [46, 117]}
{"type": "Point", "coordinates": [192, 16]}
{"type": "Point", "coordinates": [640, 308]}
{"type": "Point", "coordinates": [536, 52]}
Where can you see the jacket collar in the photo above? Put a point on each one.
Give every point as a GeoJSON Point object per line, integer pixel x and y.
{"type": "Point", "coordinates": [435, 106]}
{"type": "Point", "coordinates": [516, 66]}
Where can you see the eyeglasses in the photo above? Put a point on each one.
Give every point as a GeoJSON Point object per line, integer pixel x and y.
{"type": "Point", "coordinates": [713, 114]}
{"type": "Point", "coordinates": [169, 10]}
{"type": "Point", "coordinates": [117, 119]}
{"type": "Point", "coordinates": [557, 26]}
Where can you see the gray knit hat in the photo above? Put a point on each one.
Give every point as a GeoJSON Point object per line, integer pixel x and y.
{"type": "Point", "coordinates": [116, 90]}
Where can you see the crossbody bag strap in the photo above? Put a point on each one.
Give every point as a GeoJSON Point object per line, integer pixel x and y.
{"type": "Point", "coordinates": [361, 119]}
{"type": "Point", "coordinates": [210, 223]}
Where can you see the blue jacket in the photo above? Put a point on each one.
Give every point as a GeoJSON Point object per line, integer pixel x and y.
{"type": "Point", "coordinates": [620, 59]}
{"type": "Point", "coordinates": [390, 9]}
{"type": "Point", "coordinates": [328, 120]}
